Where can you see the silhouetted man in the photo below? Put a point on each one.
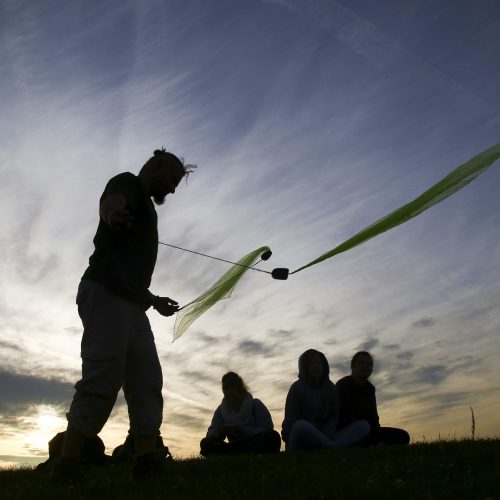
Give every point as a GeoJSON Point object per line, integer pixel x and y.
{"type": "Point", "coordinates": [118, 348]}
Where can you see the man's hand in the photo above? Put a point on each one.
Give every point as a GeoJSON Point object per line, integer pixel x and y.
{"type": "Point", "coordinates": [165, 306]}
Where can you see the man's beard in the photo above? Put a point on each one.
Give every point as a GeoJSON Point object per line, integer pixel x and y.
{"type": "Point", "coordinates": [159, 199]}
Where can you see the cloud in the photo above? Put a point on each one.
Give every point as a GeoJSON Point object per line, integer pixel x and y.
{"type": "Point", "coordinates": [405, 355]}
{"type": "Point", "coordinates": [251, 348]}
{"type": "Point", "coordinates": [184, 420]}
{"type": "Point", "coordinates": [392, 347]}
{"type": "Point", "coordinates": [331, 342]}
{"type": "Point", "coordinates": [10, 423]}
{"type": "Point", "coordinates": [12, 346]}
{"type": "Point", "coordinates": [432, 374]}
{"type": "Point", "coordinates": [281, 333]}
{"type": "Point", "coordinates": [379, 47]}
{"type": "Point", "coordinates": [368, 344]}
{"type": "Point", "coordinates": [199, 377]}
{"type": "Point", "coordinates": [74, 330]}
{"type": "Point", "coordinates": [437, 373]}
{"type": "Point", "coordinates": [438, 404]}
{"type": "Point", "coordinates": [424, 323]}
{"type": "Point", "coordinates": [206, 339]}
{"type": "Point", "coordinates": [302, 138]}
{"type": "Point", "coordinates": [282, 386]}
{"type": "Point", "coordinates": [469, 364]}
{"type": "Point", "coordinates": [18, 391]}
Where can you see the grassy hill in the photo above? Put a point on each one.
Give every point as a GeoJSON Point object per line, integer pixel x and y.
{"type": "Point", "coordinates": [447, 469]}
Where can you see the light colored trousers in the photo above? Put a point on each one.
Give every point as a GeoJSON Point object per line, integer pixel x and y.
{"type": "Point", "coordinates": [118, 351]}
{"type": "Point", "coordinates": [304, 436]}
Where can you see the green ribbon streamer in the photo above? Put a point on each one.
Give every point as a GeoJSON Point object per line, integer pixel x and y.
{"type": "Point", "coordinates": [221, 289]}
{"type": "Point", "coordinates": [452, 183]}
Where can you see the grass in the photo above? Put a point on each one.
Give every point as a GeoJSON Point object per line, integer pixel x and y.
{"type": "Point", "coordinates": [461, 469]}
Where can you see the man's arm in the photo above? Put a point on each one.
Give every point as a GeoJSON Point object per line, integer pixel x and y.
{"type": "Point", "coordinates": [113, 211]}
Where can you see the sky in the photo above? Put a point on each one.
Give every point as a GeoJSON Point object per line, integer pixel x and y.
{"type": "Point", "coordinates": [308, 120]}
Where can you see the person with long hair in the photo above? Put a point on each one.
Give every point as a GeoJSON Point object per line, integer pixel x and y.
{"type": "Point", "coordinates": [242, 420]}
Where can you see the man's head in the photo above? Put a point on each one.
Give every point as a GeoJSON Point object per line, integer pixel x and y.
{"type": "Point", "coordinates": [362, 365]}
{"type": "Point", "coordinates": [162, 173]}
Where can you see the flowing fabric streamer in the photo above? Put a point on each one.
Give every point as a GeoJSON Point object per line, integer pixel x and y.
{"type": "Point", "coordinates": [453, 182]}
{"type": "Point", "coordinates": [221, 289]}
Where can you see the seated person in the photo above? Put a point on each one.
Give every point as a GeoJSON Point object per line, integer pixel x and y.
{"type": "Point", "coordinates": [243, 420]}
{"type": "Point", "coordinates": [311, 410]}
{"type": "Point", "coordinates": [357, 400]}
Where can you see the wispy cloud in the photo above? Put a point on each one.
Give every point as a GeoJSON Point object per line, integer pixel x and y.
{"type": "Point", "coordinates": [368, 344]}
{"type": "Point", "coordinates": [423, 323]}
{"type": "Point", "coordinates": [334, 115]}
{"type": "Point", "coordinates": [18, 391]}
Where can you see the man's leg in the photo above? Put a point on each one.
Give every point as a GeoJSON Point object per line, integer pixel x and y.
{"type": "Point", "coordinates": [92, 403]}
{"type": "Point", "coordinates": [105, 319]}
{"type": "Point", "coordinates": [142, 386]}
{"type": "Point", "coordinates": [72, 443]}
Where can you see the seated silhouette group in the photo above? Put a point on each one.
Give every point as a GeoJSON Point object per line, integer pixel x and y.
{"type": "Point", "coordinates": [318, 413]}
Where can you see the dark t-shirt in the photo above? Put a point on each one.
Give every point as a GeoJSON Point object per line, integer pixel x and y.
{"type": "Point", "coordinates": [124, 258]}
{"type": "Point", "coordinates": [356, 402]}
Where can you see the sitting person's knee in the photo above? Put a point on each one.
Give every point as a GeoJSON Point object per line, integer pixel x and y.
{"type": "Point", "coordinates": [364, 427]}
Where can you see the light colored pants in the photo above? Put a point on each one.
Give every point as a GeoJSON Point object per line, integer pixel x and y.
{"type": "Point", "coordinates": [304, 436]}
{"type": "Point", "coordinates": [118, 350]}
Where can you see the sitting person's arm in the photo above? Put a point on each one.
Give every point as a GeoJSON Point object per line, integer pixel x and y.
{"type": "Point", "coordinates": [347, 413]}
{"type": "Point", "coordinates": [372, 416]}
{"type": "Point", "coordinates": [217, 431]}
{"type": "Point", "coordinates": [330, 425]}
{"type": "Point", "coordinates": [292, 411]}
{"type": "Point", "coordinates": [263, 419]}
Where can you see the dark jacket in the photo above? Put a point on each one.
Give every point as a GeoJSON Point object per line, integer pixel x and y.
{"type": "Point", "coordinates": [357, 402]}
{"type": "Point", "coordinates": [316, 403]}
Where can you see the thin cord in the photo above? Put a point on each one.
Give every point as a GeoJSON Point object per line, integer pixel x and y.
{"type": "Point", "coordinates": [216, 258]}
